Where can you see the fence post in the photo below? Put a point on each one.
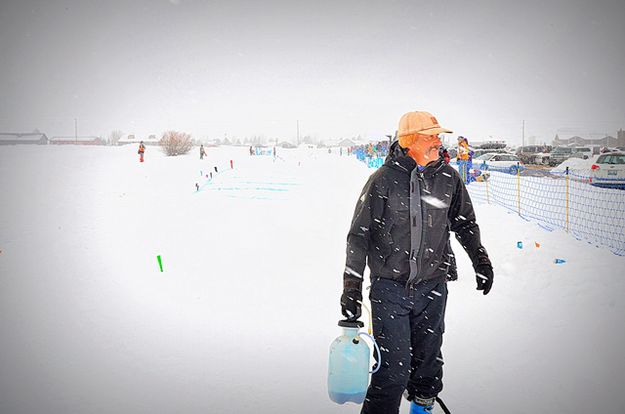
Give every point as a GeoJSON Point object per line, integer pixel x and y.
{"type": "Point", "coordinates": [487, 196]}
{"type": "Point", "coordinates": [567, 199]}
{"type": "Point", "coordinates": [518, 187]}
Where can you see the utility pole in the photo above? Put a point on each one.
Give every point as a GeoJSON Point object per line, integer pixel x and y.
{"type": "Point", "coordinates": [523, 136]}
{"type": "Point", "coordinates": [298, 132]}
{"type": "Point", "coordinates": [76, 130]}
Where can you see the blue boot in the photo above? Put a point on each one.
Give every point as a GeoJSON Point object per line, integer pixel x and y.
{"type": "Point", "coordinates": [422, 409]}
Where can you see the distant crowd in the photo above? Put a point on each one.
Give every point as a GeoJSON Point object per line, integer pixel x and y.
{"type": "Point", "coordinates": [371, 150]}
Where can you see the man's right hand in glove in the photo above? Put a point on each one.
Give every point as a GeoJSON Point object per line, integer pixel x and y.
{"type": "Point", "coordinates": [350, 303]}
{"type": "Point", "coordinates": [484, 275]}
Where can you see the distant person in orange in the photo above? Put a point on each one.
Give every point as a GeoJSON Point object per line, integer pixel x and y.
{"type": "Point", "coordinates": [141, 151]}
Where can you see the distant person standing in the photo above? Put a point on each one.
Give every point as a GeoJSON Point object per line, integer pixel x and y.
{"type": "Point", "coordinates": [445, 155]}
{"type": "Point", "coordinates": [470, 172]}
{"type": "Point", "coordinates": [463, 157]}
{"type": "Point", "coordinates": [202, 152]}
{"type": "Point", "coordinates": [141, 151]}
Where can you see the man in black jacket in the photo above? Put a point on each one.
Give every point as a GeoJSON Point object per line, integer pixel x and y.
{"type": "Point", "coordinates": [401, 230]}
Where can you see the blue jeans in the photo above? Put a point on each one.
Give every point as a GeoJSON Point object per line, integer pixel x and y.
{"type": "Point", "coordinates": [405, 319]}
{"type": "Point", "coordinates": [463, 170]}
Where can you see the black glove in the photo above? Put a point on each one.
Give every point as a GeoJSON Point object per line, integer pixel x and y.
{"type": "Point", "coordinates": [351, 297]}
{"type": "Point", "coordinates": [484, 277]}
{"type": "Point", "coordinates": [350, 304]}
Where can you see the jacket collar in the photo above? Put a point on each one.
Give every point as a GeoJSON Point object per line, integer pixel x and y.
{"type": "Point", "coordinates": [434, 167]}
{"type": "Point", "coordinates": [399, 159]}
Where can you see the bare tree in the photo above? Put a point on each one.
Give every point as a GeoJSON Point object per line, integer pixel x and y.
{"type": "Point", "coordinates": [114, 136]}
{"type": "Point", "coordinates": [176, 143]}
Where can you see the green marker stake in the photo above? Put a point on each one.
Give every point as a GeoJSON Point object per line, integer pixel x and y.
{"type": "Point", "coordinates": [160, 264]}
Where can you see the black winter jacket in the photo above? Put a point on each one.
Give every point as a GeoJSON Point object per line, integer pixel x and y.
{"type": "Point", "coordinates": [402, 221]}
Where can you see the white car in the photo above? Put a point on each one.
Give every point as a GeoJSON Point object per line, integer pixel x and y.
{"type": "Point", "coordinates": [499, 162]}
{"type": "Point", "coordinates": [609, 170]}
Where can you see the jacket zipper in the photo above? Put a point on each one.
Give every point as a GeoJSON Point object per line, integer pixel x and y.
{"type": "Point", "coordinates": [418, 252]}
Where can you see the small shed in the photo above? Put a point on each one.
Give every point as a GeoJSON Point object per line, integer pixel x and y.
{"type": "Point", "coordinates": [16, 138]}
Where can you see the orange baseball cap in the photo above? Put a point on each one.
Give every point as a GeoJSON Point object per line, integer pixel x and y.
{"type": "Point", "coordinates": [420, 122]}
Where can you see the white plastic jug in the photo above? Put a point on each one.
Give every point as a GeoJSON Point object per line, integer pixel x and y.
{"type": "Point", "coordinates": [348, 372]}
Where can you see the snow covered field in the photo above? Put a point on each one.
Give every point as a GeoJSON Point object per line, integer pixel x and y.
{"type": "Point", "coordinates": [242, 316]}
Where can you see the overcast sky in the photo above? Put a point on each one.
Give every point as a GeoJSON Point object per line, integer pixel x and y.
{"type": "Point", "coordinates": [342, 68]}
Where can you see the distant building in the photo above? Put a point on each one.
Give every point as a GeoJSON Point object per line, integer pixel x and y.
{"type": "Point", "coordinates": [346, 143]}
{"type": "Point", "coordinates": [212, 142]}
{"type": "Point", "coordinates": [577, 141]}
{"type": "Point", "coordinates": [337, 142]}
{"type": "Point", "coordinates": [286, 144]}
{"type": "Point", "coordinates": [88, 140]}
{"type": "Point", "coordinates": [16, 138]}
{"type": "Point", "coordinates": [133, 139]}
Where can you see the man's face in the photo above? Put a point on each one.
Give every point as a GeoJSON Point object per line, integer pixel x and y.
{"type": "Point", "coordinates": [425, 148]}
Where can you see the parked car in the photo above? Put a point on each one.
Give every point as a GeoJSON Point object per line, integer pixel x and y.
{"type": "Point", "coordinates": [534, 154]}
{"type": "Point", "coordinates": [584, 152]}
{"type": "Point", "coordinates": [596, 149]}
{"type": "Point", "coordinates": [610, 149]}
{"type": "Point", "coordinates": [499, 162]}
{"type": "Point", "coordinates": [561, 154]}
{"type": "Point", "coordinates": [609, 170]}
{"type": "Point", "coordinates": [480, 151]}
